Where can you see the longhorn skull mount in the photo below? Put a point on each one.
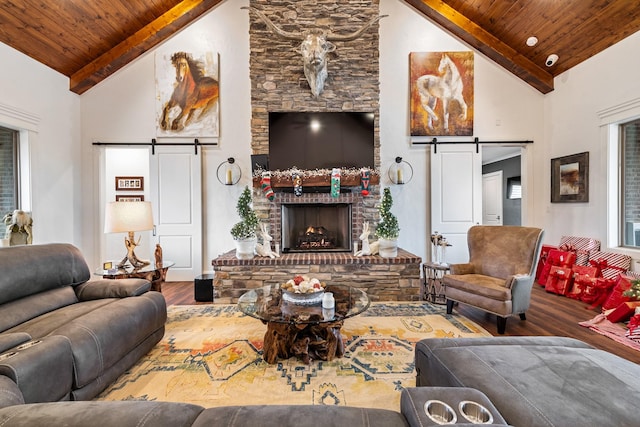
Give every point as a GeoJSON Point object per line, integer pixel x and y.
{"type": "Point", "coordinates": [316, 44]}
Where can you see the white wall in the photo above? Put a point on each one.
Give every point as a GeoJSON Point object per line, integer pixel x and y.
{"type": "Point", "coordinates": [122, 109]}
{"type": "Point", "coordinates": [498, 96]}
{"type": "Point", "coordinates": [38, 97]}
{"type": "Point", "coordinates": [571, 112]}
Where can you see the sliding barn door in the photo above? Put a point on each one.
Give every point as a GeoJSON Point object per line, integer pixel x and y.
{"type": "Point", "coordinates": [456, 196]}
{"type": "Point", "coordinates": [176, 187]}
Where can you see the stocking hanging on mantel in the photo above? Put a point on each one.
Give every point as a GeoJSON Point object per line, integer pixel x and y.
{"type": "Point", "coordinates": [335, 182]}
{"type": "Point", "coordinates": [265, 184]}
{"type": "Point", "coordinates": [365, 177]}
{"type": "Point", "coordinates": [297, 184]}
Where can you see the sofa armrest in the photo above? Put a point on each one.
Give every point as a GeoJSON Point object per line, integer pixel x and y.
{"type": "Point", "coordinates": [466, 268]}
{"type": "Point", "coordinates": [108, 288]}
{"type": "Point", "coordinates": [13, 339]}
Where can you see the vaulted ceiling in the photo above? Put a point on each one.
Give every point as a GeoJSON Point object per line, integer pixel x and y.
{"type": "Point", "coordinates": [88, 40]}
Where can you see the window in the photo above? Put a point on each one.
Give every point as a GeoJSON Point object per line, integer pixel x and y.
{"type": "Point", "coordinates": [630, 183]}
{"type": "Point", "coordinates": [9, 169]}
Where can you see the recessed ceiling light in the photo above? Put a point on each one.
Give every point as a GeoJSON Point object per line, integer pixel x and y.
{"type": "Point", "coordinates": [532, 41]}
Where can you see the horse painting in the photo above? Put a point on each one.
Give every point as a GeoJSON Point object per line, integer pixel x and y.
{"type": "Point", "coordinates": [192, 92]}
{"type": "Point", "coordinates": [446, 86]}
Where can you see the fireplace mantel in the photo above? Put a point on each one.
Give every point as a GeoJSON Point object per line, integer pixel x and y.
{"type": "Point", "coordinates": [317, 180]}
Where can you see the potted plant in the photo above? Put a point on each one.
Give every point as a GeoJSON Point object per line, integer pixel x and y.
{"type": "Point", "coordinates": [387, 230]}
{"type": "Point", "coordinates": [244, 232]}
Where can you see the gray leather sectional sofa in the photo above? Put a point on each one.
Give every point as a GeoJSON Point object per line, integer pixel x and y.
{"type": "Point", "coordinates": [63, 337]}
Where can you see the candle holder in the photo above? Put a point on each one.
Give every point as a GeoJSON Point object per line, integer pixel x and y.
{"type": "Point", "coordinates": [229, 173]}
{"type": "Point", "coordinates": [400, 172]}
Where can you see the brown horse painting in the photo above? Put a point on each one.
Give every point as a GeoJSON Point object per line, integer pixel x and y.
{"type": "Point", "coordinates": [192, 91]}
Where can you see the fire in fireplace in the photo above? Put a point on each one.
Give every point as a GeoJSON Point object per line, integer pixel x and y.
{"type": "Point", "coordinates": [316, 227]}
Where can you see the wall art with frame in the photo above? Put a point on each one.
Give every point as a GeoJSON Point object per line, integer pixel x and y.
{"type": "Point", "coordinates": [570, 178]}
{"type": "Point", "coordinates": [129, 198]}
{"type": "Point", "coordinates": [129, 183]}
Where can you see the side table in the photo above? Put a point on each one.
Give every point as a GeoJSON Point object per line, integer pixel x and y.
{"type": "Point", "coordinates": [154, 273]}
{"type": "Point", "coordinates": [433, 286]}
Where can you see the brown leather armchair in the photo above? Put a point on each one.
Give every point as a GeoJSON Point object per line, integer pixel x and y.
{"type": "Point", "coordinates": [499, 275]}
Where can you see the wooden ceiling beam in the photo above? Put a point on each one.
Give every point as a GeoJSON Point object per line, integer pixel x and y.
{"type": "Point", "coordinates": [468, 31]}
{"type": "Point", "coordinates": [146, 38]}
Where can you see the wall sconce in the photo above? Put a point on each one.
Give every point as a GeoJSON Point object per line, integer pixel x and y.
{"type": "Point", "coordinates": [400, 172]}
{"type": "Point", "coordinates": [229, 173]}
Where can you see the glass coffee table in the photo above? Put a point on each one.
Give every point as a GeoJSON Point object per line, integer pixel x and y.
{"type": "Point", "coordinates": [306, 331]}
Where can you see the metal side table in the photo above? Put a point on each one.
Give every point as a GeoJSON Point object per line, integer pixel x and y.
{"type": "Point", "coordinates": [433, 286]}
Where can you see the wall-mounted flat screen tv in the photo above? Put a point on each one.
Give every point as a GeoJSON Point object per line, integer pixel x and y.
{"type": "Point", "coordinates": [321, 140]}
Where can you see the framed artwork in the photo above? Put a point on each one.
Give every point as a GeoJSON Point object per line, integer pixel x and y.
{"type": "Point", "coordinates": [441, 93]}
{"type": "Point", "coordinates": [129, 198]}
{"type": "Point", "coordinates": [129, 183]}
{"type": "Point", "coordinates": [187, 92]}
{"type": "Point", "coordinates": [570, 178]}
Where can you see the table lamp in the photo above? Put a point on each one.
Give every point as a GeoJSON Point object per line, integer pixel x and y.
{"type": "Point", "coordinates": [128, 217]}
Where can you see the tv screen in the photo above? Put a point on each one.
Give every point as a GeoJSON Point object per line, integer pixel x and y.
{"type": "Point", "coordinates": [320, 140]}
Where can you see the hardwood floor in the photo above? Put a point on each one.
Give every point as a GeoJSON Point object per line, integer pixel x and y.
{"type": "Point", "coordinates": [549, 314]}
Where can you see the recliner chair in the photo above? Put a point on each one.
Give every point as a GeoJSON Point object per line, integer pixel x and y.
{"type": "Point", "coordinates": [499, 275]}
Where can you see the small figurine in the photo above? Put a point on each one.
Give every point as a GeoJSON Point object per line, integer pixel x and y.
{"type": "Point", "coordinates": [158, 255]}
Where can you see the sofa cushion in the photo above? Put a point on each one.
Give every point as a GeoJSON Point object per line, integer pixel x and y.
{"type": "Point", "coordinates": [541, 383]}
{"type": "Point", "coordinates": [19, 312]}
{"type": "Point", "coordinates": [103, 336]}
{"type": "Point", "coordinates": [299, 416]}
{"type": "Point", "coordinates": [106, 414]}
{"type": "Point", "coordinates": [31, 269]}
{"type": "Point", "coordinates": [10, 394]}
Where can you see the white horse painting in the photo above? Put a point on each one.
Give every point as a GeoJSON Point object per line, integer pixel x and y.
{"type": "Point", "coordinates": [446, 86]}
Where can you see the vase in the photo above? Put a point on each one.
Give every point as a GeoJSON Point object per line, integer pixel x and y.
{"type": "Point", "coordinates": [246, 248]}
{"type": "Point", "coordinates": [388, 248]}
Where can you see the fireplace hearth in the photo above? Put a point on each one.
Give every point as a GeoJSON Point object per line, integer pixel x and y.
{"type": "Point", "coordinates": [316, 227]}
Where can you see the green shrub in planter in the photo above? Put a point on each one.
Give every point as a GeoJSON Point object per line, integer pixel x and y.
{"type": "Point", "coordinates": [388, 226]}
{"type": "Point", "coordinates": [247, 227]}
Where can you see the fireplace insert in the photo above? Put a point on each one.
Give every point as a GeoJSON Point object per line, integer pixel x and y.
{"type": "Point", "coordinates": [316, 227]}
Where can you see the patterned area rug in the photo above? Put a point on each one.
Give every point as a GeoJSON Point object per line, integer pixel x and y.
{"type": "Point", "coordinates": [211, 356]}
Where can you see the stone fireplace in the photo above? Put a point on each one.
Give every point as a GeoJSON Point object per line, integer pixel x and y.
{"type": "Point", "coordinates": [278, 84]}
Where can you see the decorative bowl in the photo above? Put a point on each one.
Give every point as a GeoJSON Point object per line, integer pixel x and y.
{"type": "Point", "coordinates": [310, 298]}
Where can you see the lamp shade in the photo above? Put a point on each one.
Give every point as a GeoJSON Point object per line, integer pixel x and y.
{"type": "Point", "coordinates": [122, 217]}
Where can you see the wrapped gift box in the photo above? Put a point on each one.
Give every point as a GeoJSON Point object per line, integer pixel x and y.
{"type": "Point", "coordinates": [559, 280]}
{"type": "Point", "coordinates": [583, 276]}
{"type": "Point", "coordinates": [623, 312]}
{"type": "Point", "coordinates": [610, 264]}
{"type": "Point", "coordinates": [544, 253]}
{"type": "Point", "coordinates": [582, 246]}
{"type": "Point", "coordinates": [597, 291]}
{"type": "Point", "coordinates": [616, 296]}
{"type": "Point", "coordinates": [556, 258]}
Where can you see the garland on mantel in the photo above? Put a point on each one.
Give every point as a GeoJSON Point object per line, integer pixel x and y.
{"type": "Point", "coordinates": [348, 172]}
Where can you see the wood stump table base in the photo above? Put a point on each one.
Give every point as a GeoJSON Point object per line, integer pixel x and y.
{"type": "Point", "coordinates": [305, 341]}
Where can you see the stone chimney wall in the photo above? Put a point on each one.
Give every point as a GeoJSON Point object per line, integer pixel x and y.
{"type": "Point", "coordinates": [278, 82]}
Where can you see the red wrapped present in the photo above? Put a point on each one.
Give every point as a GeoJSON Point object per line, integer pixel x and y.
{"type": "Point", "coordinates": [582, 246]}
{"type": "Point", "coordinates": [544, 253]}
{"type": "Point", "coordinates": [623, 312]}
{"type": "Point", "coordinates": [616, 296]}
{"type": "Point", "coordinates": [582, 276]}
{"type": "Point", "coordinates": [597, 292]}
{"type": "Point", "coordinates": [610, 264]}
{"type": "Point", "coordinates": [559, 280]}
{"type": "Point", "coordinates": [556, 258]}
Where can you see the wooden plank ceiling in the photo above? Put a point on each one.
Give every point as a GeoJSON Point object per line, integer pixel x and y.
{"type": "Point", "coordinates": [88, 40]}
